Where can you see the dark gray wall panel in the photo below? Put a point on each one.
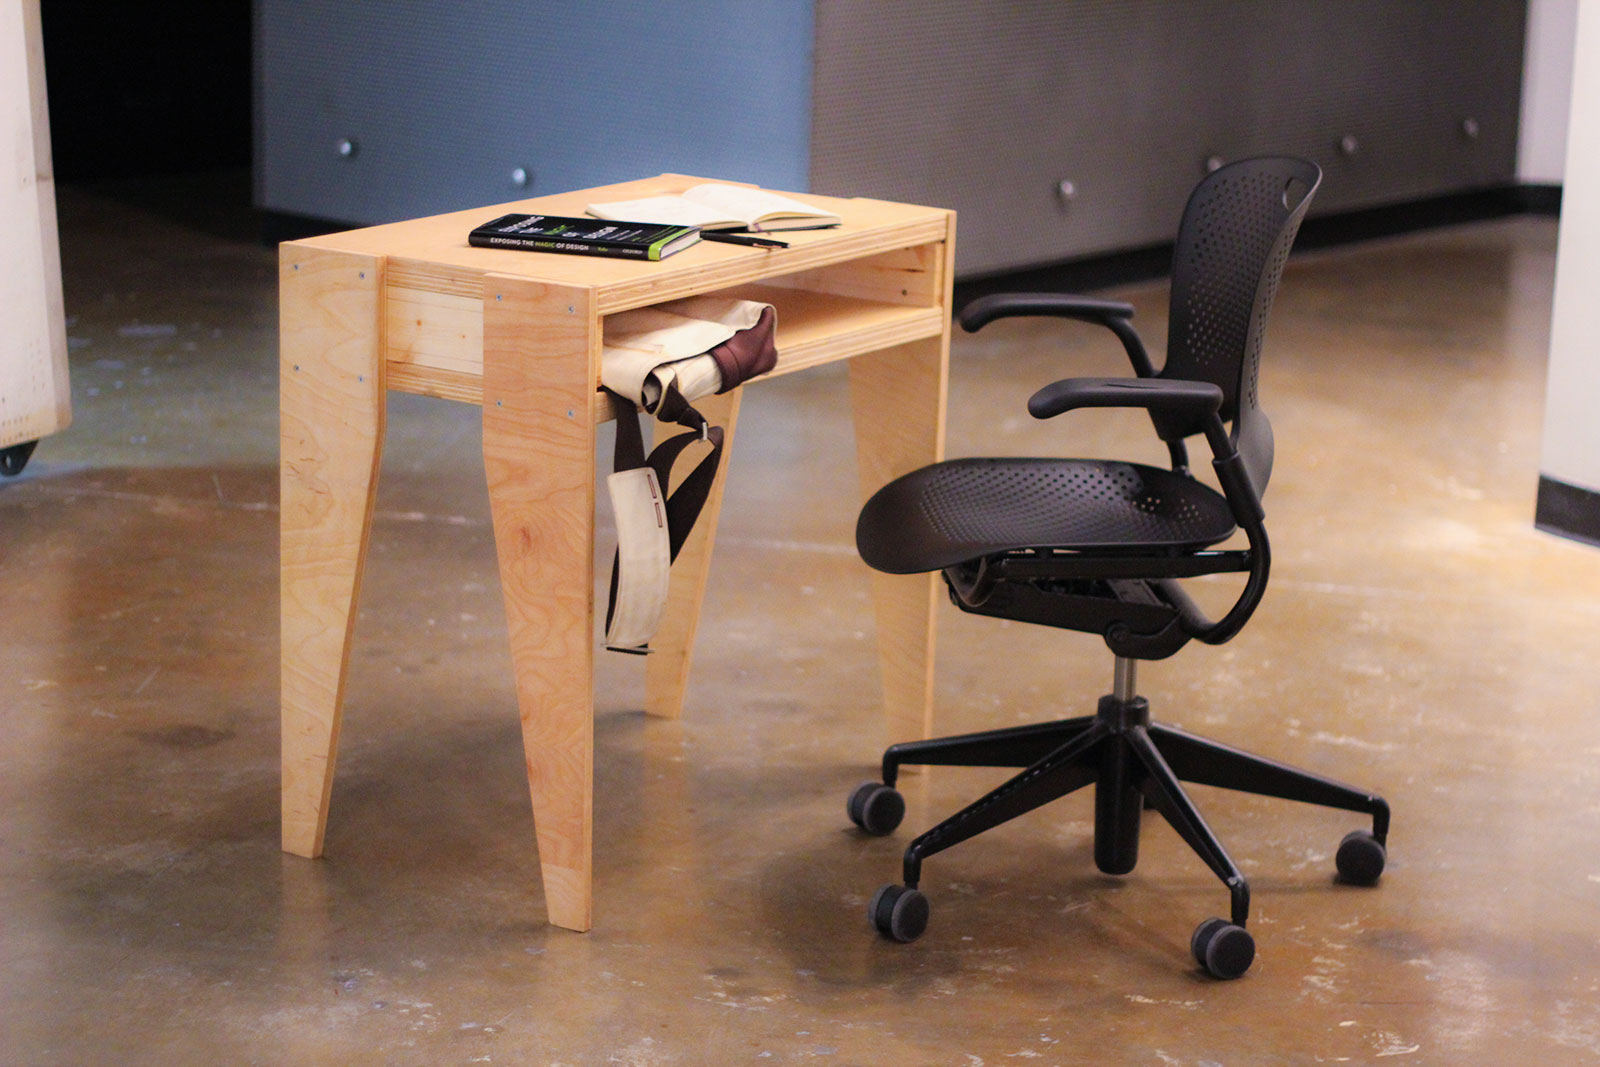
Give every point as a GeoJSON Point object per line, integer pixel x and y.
{"type": "Point", "coordinates": [985, 107]}
{"type": "Point", "coordinates": [445, 100]}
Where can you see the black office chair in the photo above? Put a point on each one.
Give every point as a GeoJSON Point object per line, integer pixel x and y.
{"type": "Point", "coordinates": [1100, 546]}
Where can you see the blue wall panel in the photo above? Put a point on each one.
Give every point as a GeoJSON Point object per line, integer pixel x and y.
{"type": "Point", "coordinates": [445, 100]}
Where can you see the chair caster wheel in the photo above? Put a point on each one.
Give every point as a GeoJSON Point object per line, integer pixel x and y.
{"type": "Point", "coordinates": [876, 808]}
{"type": "Point", "coordinates": [898, 913]}
{"type": "Point", "coordinates": [1223, 949]}
{"type": "Point", "coordinates": [1360, 858]}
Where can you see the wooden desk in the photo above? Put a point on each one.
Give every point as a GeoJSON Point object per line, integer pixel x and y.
{"type": "Point", "coordinates": [410, 306]}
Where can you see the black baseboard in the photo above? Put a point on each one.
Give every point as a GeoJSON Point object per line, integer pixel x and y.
{"type": "Point", "coordinates": [1073, 275]}
{"type": "Point", "coordinates": [1539, 199]}
{"type": "Point", "coordinates": [1568, 511]}
{"type": "Point", "coordinates": [280, 226]}
{"type": "Point", "coordinates": [1327, 231]}
{"type": "Point", "coordinates": [1390, 220]}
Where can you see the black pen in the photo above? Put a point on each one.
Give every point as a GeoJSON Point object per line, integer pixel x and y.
{"type": "Point", "coordinates": [741, 239]}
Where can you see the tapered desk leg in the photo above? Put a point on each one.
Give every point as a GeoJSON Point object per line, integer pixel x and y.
{"type": "Point", "coordinates": [898, 399]}
{"type": "Point", "coordinates": [541, 350]}
{"type": "Point", "coordinates": [331, 430]}
{"type": "Point", "coordinates": [666, 673]}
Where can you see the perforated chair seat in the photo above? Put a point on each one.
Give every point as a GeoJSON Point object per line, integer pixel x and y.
{"type": "Point", "coordinates": [960, 510]}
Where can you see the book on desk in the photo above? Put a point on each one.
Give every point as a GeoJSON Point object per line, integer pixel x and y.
{"type": "Point", "coordinates": [718, 206]}
{"type": "Point", "coordinates": [584, 237]}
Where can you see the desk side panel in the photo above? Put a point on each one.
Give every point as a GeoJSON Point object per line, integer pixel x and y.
{"type": "Point", "coordinates": [898, 400]}
{"type": "Point", "coordinates": [541, 362]}
{"type": "Point", "coordinates": [331, 436]}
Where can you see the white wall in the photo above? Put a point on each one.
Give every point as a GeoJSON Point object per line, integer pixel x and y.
{"type": "Point", "coordinates": [1546, 91]}
{"type": "Point", "coordinates": [1571, 451]}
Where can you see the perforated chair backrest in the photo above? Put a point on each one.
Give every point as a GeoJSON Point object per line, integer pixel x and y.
{"type": "Point", "coordinates": [1232, 243]}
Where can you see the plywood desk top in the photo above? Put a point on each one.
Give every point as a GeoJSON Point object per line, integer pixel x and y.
{"type": "Point", "coordinates": [432, 253]}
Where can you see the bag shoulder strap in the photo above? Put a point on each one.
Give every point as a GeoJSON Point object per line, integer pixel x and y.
{"type": "Point", "coordinates": [685, 504]}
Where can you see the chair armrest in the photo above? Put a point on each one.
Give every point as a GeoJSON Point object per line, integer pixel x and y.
{"type": "Point", "coordinates": [1183, 403]}
{"type": "Point", "coordinates": [984, 310]}
{"type": "Point", "coordinates": [1178, 408]}
{"type": "Point", "coordinates": [1112, 314]}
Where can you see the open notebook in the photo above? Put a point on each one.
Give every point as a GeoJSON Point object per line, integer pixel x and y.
{"type": "Point", "coordinates": [714, 206]}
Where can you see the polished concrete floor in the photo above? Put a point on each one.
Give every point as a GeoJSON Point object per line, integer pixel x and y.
{"type": "Point", "coordinates": [1419, 638]}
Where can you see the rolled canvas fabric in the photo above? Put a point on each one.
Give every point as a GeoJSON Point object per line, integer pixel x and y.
{"type": "Point", "coordinates": [647, 350]}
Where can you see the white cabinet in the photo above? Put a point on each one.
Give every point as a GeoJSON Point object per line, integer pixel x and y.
{"type": "Point", "coordinates": [34, 399]}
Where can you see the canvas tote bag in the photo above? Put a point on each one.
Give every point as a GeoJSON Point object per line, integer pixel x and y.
{"type": "Point", "coordinates": [661, 359]}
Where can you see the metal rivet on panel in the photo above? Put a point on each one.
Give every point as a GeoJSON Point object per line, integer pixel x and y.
{"type": "Point", "coordinates": [1348, 145]}
{"type": "Point", "coordinates": [520, 176]}
{"type": "Point", "coordinates": [347, 147]}
{"type": "Point", "coordinates": [1469, 128]}
{"type": "Point", "coordinates": [1066, 190]}
{"type": "Point", "coordinates": [1214, 163]}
